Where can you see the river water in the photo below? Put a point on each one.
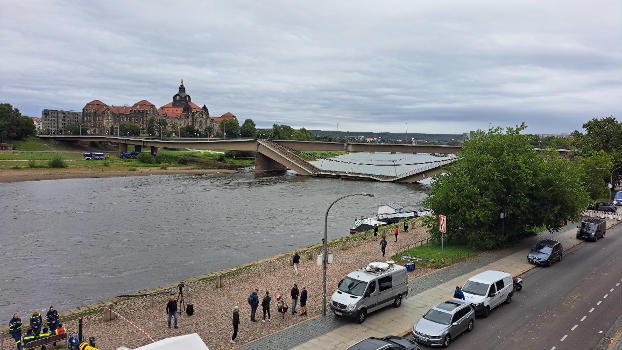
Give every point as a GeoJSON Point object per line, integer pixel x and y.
{"type": "Point", "coordinates": [75, 241]}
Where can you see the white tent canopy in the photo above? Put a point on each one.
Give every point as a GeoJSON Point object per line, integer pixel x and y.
{"type": "Point", "coordinates": [186, 342]}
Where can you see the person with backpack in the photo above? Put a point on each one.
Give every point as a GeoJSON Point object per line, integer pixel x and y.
{"type": "Point", "coordinates": [236, 323]}
{"type": "Point", "coordinates": [303, 301]}
{"type": "Point", "coordinates": [295, 293]}
{"type": "Point", "coordinates": [296, 260]}
{"type": "Point", "coordinates": [281, 306]}
{"type": "Point", "coordinates": [383, 245]}
{"type": "Point", "coordinates": [253, 301]}
{"type": "Point", "coordinates": [265, 306]}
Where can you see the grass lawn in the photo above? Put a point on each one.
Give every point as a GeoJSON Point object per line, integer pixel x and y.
{"type": "Point", "coordinates": [430, 254]}
{"type": "Point", "coordinates": [35, 144]}
{"type": "Point", "coordinates": [38, 155]}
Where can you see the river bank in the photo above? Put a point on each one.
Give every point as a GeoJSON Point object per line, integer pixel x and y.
{"type": "Point", "coordinates": [213, 305]}
{"type": "Point", "coordinates": [35, 174]}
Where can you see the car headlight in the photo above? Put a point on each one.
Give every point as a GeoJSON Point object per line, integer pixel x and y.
{"type": "Point", "coordinates": [350, 307]}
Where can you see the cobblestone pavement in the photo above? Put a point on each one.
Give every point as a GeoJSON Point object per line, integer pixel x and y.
{"type": "Point", "coordinates": [303, 332]}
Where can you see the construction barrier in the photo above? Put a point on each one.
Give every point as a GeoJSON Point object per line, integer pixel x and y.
{"type": "Point", "coordinates": [603, 215]}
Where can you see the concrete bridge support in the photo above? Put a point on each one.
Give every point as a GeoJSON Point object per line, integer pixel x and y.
{"type": "Point", "coordinates": [266, 164]}
{"type": "Point", "coordinates": [122, 148]}
{"type": "Point", "coordinates": [154, 150]}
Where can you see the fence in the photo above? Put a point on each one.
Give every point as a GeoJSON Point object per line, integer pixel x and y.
{"type": "Point", "coordinates": [603, 215]}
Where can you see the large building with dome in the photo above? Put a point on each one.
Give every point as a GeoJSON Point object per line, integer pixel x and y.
{"type": "Point", "coordinates": [102, 119]}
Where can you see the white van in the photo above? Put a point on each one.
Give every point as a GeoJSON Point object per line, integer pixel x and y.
{"type": "Point", "coordinates": [487, 290]}
{"type": "Point", "coordinates": [369, 289]}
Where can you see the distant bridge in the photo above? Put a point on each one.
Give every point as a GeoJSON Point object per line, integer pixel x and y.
{"type": "Point", "coordinates": [275, 155]}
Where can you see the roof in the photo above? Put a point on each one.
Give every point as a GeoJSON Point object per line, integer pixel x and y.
{"type": "Point", "coordinates": [370, 344]}
{"type": "Point", "coordinates": [450, 305]}
{"type": "Point", "coordinates": [365, 276]}
{"type": "Point", "coordinates": [171, 111]}
{"type": "Point", "coordinates": [96, 105]}
{"type": "Point", "coordinates": [143, 104]}
{"type": "Point", "coordinates": [188, 342]}
{"type": "Point", "coordinates": [489, 276]}
{"type": "Point", "coordinates": [227, 115]}
{"type": "Point", "coordinates": [547, 242]}
{"type": "Point", "coordinates": [120, 109]}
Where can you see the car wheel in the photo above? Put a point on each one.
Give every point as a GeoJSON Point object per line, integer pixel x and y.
{"type": "Point", "coordinates": [398, 301]}
{"type": "Point", "coordinates": [486, 311]}
{"type": "Point", "coordinates": [362, 316]}
{"type": "Point", "coordinates": [470, 325]}
{"type": "Point", "coordinates": [446, 341]}
{"type": "Point", "coordinates": [508, 300]}
{"type": "Point", "coordinates": [518, 287]}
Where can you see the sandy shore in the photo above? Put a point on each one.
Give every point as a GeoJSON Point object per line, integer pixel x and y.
{"type": "Point", "coordinates": [212, 319]}
{"type": "Point", "coordinates": [16, 175]}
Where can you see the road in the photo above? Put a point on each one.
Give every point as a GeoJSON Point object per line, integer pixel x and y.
{"type": "Point", "coordinates": [569, 305]}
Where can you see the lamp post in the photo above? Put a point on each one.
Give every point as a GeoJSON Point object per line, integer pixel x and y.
{"type": "Point", "coordinates": [325, 243]}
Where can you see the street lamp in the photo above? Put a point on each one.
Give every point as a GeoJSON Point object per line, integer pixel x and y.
{"type": "Point", "coordinates": [325, 243]}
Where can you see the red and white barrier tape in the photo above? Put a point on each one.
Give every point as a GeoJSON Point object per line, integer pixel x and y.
{"type": "Point", "coordinates": [130, 322]}
{"type": "Point", "coordinates": [603, 215]}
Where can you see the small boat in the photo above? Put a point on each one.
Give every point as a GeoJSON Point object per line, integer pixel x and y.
{"type": "Point", "coordinates": [387, 214]}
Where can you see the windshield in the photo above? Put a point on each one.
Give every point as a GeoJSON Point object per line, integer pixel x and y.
{"type": "Point", "coordinates": [352, 286]}
{"type": "Point", "coordinates": [543, 249]}
{"type": "Point", "coordinates": [618, 196]}
{"type": "Point", "coordinates": [588, 226]}
{"type": "Point", "coordinates": [438, 316]}
{"type": "Point", "coordinates": [475, 288]}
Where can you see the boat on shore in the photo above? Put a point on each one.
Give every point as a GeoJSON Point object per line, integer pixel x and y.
{"type": "Point", "coordinates": [387, 215]}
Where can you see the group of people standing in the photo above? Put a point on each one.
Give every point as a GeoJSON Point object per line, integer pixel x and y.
{"type": "Point", "coordinates": [35, 331]}
{"type": "Point", "coordinates": [383, 241]}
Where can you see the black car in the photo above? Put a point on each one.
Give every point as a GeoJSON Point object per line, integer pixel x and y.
{"type": "Point", "coordinates": [603, 206]}
{"type": "Point", "coordinates": [591, 229]}
{"type": "Point", "coordinates": [546, 252]}
{"type": "Point", "coordinates": [386, 343]}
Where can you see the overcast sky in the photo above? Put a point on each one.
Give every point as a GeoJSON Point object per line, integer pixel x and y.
{"type": "Point", "coordinates": [429, 66]}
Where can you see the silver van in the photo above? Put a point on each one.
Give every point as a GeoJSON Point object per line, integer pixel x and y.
{"type": "Point", "coordinates": [369, 289]}
{"type": "Point", "coordinates": [487, 290]}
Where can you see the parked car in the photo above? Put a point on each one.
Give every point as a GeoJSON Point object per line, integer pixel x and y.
{"type": "Point", "coordinates": [591, 229]}
{"type": "Point", "coordinates": [487, 290]}
{"type": "Point", "coordinates": [369, 289]}
{"type": "Point", "coordinates": [386, 343]}
{"type": "Point", "coordinates": [546, 252]}
{"type": "Point", "coordinates": [129, 155]}
{"type": "Point", "coordinates": [603, 206]}
{"type": "Point", "coordinates": [617, 199]}
{"type": "Point", "coordinates": [444, 322]}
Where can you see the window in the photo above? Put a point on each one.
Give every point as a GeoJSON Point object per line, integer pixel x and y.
{"type": "Point", "coordinates": [385, 283]}
{"type": "Point", "coordinates": [492, 290]}
{"type": "Point", "coordinates": [371, 288]}
{"type": "Point", "coordinates": [499, 284]}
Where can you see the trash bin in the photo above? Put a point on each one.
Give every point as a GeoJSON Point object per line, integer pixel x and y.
{"type": "Point", "coordinates": [410, 266]}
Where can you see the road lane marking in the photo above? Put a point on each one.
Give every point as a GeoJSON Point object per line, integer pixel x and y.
{"type": "Point", "coordinates": [611, 290]}
{"type": "Point", "coordinates": [598, 303]}
{"type": "Point", "coordinates": [574, 327]}
{"type": "Point", "coordinates": [553, 348]}
{"type": "Point", "coordinates": [605, 296]}
{"type": "Point", "coordinates": [592, 309]}
{"type": "Point", "coordinates": [617, 284]}
{"type": "Point", "coordinates": [564, 337]}
{"type": "Point", "coordinates": [583, 318]}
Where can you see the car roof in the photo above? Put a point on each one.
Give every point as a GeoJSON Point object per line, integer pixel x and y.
{"type": "Point", "coordinates": [489, 276]}
{"type": "Point", "coordinates": [450, 305]}
{"type": "Point", "coordinates": [365, 276]}
{"type": "Point", "coordinates": [370, 344]}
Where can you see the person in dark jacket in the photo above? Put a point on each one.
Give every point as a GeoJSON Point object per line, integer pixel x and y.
{"type": "Point", "coordinates": [295, 292]}
{"type": "Point", "coordinates": [458, 294]}
{"type": "Point", "coordinates": [171, 310]}
{"type": "Point", "coordinates": [236, 323]}
{"type": "Point", "coordinates": [375, 232]}
{"type": "Point", "coordinates": [15, 329]}
{"type": "Point", "coordinates": [253, 301]}
{"type": "Point", "coordinates": [406, 226]}
{"type": "Point", "coordinates": [35, 323]}
{"type": "Point", "coordinates": [52, 319]}
{"type": "Point", "coordinates": [383, 245]}
{"type": "Point", "coordinates": [303, 301]}
{"type": "Point", "coordinates": [296, 261]}
{"type": "Point", "coordinates": [265, 306]}
{"type": "Point", "coordinates": [30, 336]}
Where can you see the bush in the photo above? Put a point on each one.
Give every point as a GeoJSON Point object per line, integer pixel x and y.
{"type": "Point", "coordinates": [163, 167]}
{"type": "Point", "coordinates": [239, 154]}
{"type": "Point", "coordinates": [131, 169]}
{"type": "Point", "coordinates": [166, 158]}
{"type": "Point", "coordinates": [57, 162]}
{"type": "Point", "coordinates": [106, 163]}
{"type": "Point", "coordinates": [32, 164]}
{"type": "Point", "coordinates": [146, 158]}
{"type": "Point", "coordinates": [221, 157]}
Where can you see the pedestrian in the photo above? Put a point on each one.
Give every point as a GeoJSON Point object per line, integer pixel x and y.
{"type": "Point", "coordinates": [295, 292]}
{"type": "Point", "coordinates": [52, 319]}
{"type": "Point", "coordinates": [30, 336]}
{"type": "Point", "coordinates": [15, 329]}
{"type": "Point", "coordinates": [397, 230]}
{"type": "Point", "coordinates": [171, 310]}
{"type": "Point", "coordinates": [43, 335]}
{"type": "Point", "coordinates": [60, 329]}
{"type": "Point", "coordinates": [458, 294]}
{"type": "Point", "coordinates": [236, 322]}
{"type": "Point", "coordinates": [35, 323]}
{"type": "Point", "coordinates": [375, 232]}
{"type": "Point", "coordinates": [253, 301]}
{"type": "Point", "coordinates": [303, 301]}
{"type": "Point", "coordinates": [281, 306]}
{"type": "Point", "coordinates": [406, 226]}
{"type": "Point", "coordinates": [265, 306]}
{"type": "Point", "coordinates": [383, 245]}
{"type": "Point", "coordinates": [296, 260]}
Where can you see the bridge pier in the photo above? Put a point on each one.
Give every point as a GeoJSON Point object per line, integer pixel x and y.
{"type": "Point", "coordinates": [266, 164]}
{"type": "Point", "coordinates": [138, 148]}
{"type": "Point", "coordinates": [154, 150]}
{"type": "Point", "coordinates": [122, 148]}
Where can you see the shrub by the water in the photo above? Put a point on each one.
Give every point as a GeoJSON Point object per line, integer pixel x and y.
{"type": "Point", "coordinates": [146, 158]}
{"type": "Point", "coordinates": [31, 163]}
{"type": "Point", "coordinates": [56, 162]}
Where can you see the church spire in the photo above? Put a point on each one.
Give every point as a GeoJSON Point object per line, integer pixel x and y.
{"type": "Point", "coordinates": [182, 82]}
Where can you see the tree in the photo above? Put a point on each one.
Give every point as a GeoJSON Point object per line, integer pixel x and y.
{"type": "Point", "coordinates": [303, 135]}
{"type": "Point", "coordinates": [150, 128]}
{"type": "Point", "coordinates": [596, 170]}
{"type": "Point", "coordinates": [127, 129]}
{"type": "Point", "coordinates": [230, 127]}
{"type": "Point", "coordinates": [189, 131]}
{"type": "Point", "coordinates": [500, 172]}
{"type": "Point", "coordinates": [248, 129]}
{"type": "Point", "coordinates": [601, 134]}
{"type": "Point", "coordinates": [209, 131]}
{"type": "Point", "coordinates": [73, 129]}
{"type": "Point", "coordinates": [14, 126]}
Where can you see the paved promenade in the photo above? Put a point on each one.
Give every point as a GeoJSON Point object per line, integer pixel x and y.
{"type": "Point", "coordinates": [399, 321]}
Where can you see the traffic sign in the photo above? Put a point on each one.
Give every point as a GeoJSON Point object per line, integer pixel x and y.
{"type": "Point", "coordinates": [442, 226]}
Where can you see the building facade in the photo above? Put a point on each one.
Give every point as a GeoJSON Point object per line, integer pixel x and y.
{"type": "Point", "coordinates": [56, 121]}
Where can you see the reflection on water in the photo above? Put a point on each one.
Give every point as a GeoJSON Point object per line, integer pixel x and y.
{"type": "Point", "coordinates": [74, 241]}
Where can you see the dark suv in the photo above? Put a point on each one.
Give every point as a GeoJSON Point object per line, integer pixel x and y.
{"type": "Point", "coordinates": [546, 252]}
{"type": "Point", "coordinates": [386, 343]}
{"type": "Point", "coordinates": [603, 206]}
{"type": "Point", "coordinates": [591, 229]}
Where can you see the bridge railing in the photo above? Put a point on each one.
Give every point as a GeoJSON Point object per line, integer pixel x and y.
{"type": "Point", "coordinates": [426, 168]}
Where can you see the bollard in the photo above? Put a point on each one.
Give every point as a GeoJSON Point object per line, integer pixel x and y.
{"type": "Point", "coordinates": [80, 329]}
{"type": "Point", "coordinates": [219, 281]}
